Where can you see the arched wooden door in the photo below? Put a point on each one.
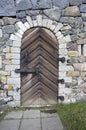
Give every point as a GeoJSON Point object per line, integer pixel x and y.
{"type": "Point", "coordinates": [39, 67]}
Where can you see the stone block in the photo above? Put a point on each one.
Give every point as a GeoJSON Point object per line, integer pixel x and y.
{"type": "Point", "coordinates": [4, 72]}
{"type": "Point", "coordinates": [83, 16]}
{"type": "Point", "coordinates": [1, 22]}
{"type": "Point", "coordinates": [62, 40]}
{"type": "Point", "coordinates": [62, 74]}
{"type": "Point", "coordinates": [77, 66]}
{"type": "Point", "coordinates": [62, 3]}
{"type": "Point", "coordinates": [15, 75]}
{"type": "Point", "coordinates": [68, 38]}
{"type": "Point", "coordinates": [16, 43]}
{"type": "Point", "coordinates": [21, 26]}
{"type": "Point", "coordinates": [72, 11]}
{"type": "Point", "coordinates": [84, 50]}
{"type": "Point", "coordinates": [79, 50]}
{"type": "Point", "coordinates": [75, 2]}
{"type": "Point", "coordinates": [81, 41]}
{"type": "Point", "coordinates": [74, 22]}
{"type": "Point", "coordinates": [68, 79]}
{"type": "Point", "coordinates": [0, 62]}
{"type": "Point", "coordinates": [73, 73]}
{"type": "Point", "coordinates": [15, 38]}
{"type": "Point", "coordinates": [10, 92]}
{"type": "Point", "coordinates": [23, 5]}
{"type": "Point", "coordinates": [39, 20]}
{"type": "Point", "coordinates": [62, 46]}
{"type": "Point", "coordinates": [12, 56]}
{"type": "Point", "coordinates": [11, 67]}
{"type": "Point", "coordinates": [0, 32]}
{"type": "Point", "coordinates": [35, 23]}
{"type": "Point", "coordinates": [3, 80]}
{"type": "Point", "coordinates": [41, 4]}
{"type": "Point", "coordinates": [15, 62]}
{"type": "Point", "coordinates": [58, 27]}
{"type": "Point", "coordinates": [66, 27]}
{"type": "Point", "coordinates": [29, 21]}
{"type": "Point", "coordinates": [33, 12]}
{"type": "Point", "coordinates": [9, 20]}
{"type": "Point", "coordinates": [13, 81]}
{"type": "Point", "coordinates": [63, 52]}
{"type": "Point", "coordinates": [18, 35]}
{"type": "Point", "coordinates": [83, 8]}
{"type": "Point", "coordinates": [9, 42]}
{"type": "Point", "coordinates": [53, 13]}
{"type": "Point", "coordinates": [73, 53]}
{"type": "Point", "coordinates": [20, 32]}
{"type": "Point", "coordinates": [7, 8]}
{"type": "Point", "coordinates": [14, 50]}
{"type": "Point", "coordinates": [10, 87]}
{"type": "Point", "coordinates": [21, 14]}
{"type": "Point", "coordinates": [6, 49]}
{"type": "Point", "coordinates": [26, 24]}
{"type": "Point", "coordinates": [6, 62]}
{"type": "Point", "coordinates": [45, 21]}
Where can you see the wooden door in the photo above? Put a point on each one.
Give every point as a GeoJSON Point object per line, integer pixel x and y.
{"type": "Point", "coordinates": [39, 57]}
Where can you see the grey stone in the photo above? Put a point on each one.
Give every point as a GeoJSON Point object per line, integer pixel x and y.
{"type": "Point", "coordinates": [9, 20]}
{"type": "Point", "coordinates": [61, 3]}
{"type": "Point", "coordinates": [9, 125]}
{"type": "Point", "coordinates": [3, 107]}
{"type": "Point", "coordinates": [23, 4]}
{"type": "Point", "coordinates": [14, 115]}
{"type": "Point", "coordinates": [41, 4]}
{"type": "Point", "coordinates": [81, 99]}
{"type": "Point", "coordinates": [31, 124]}
{"type": "Point", "coordinates": [83, 8]}
{"type": "Point", "coordinates": [84, 1]}
{"type": "Point", "coordinates": [32, 114]}
{"type": "Point", "coordinates": [75, 2]}
{"type": "Point", "coordinates": [7, 8]}
{"type": "Point", "coordinates": [32, 12]}
{"type": "Point", "coordinates": [53, 13]}
{"type": "Point", "coordinates": [8, 29]}
{"type": "Point", "coordinates": [83, 16]}
{"type": "Point", "coordinates": [5, 37]}
{"type": "Point", "coordinates": [21, 14]}
{"type": "Point", "coordinates": [1, 22]}
{"type": "Point", "coordinates": [74, 22]}
{"type": "Point", "coordinates": [53, 123]}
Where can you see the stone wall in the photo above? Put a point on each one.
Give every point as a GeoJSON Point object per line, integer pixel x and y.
{"type": "Point", "coordinates": [16, 17]}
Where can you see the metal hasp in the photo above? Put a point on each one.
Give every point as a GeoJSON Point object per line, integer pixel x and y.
{"type": "Point", "coordinates": [61, 81]}
{"type": "Point", "coordinates": [27, 70]}
{"type": "Point", "coordinates": [62, 59]}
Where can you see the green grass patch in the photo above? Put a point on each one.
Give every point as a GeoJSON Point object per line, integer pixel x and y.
{"type": "Point", "coordinates": [73, 116]}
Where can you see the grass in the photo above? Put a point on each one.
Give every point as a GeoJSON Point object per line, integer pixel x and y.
{"type": "Point", "coordinates": [73, 116]}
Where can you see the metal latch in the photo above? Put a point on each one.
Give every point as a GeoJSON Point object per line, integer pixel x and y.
{"type": "Point", "coordinates": [27, 70]}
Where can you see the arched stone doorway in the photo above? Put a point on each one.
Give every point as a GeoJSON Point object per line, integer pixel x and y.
{"type": "Point", "coordinates": [39, 67]}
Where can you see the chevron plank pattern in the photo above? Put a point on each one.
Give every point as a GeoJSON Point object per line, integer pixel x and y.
{"type": "Point", "coordinates": [39, 88]}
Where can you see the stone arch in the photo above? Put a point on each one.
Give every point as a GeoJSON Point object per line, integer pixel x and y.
{"type": "Point", "coordinates": [56, 28]}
